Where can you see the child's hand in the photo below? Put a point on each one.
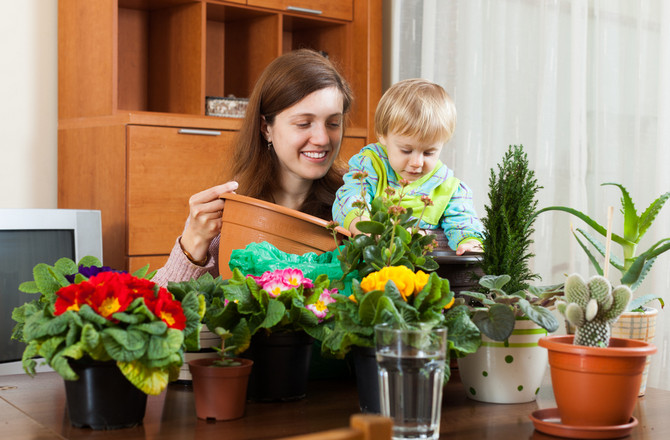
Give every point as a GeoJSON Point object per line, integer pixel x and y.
{"type": "Point", "coordinates": [469, 246]}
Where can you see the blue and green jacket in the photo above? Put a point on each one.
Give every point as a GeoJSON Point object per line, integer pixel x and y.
{"type": "Point", "coordinates": [452, 209]}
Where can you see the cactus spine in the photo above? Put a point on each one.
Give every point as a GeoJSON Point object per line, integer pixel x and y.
{"type": "Point", "coordinates": [592, 307]}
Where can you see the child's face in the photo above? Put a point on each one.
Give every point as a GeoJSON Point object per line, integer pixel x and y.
{"type": "Point", "coordinates": [408, 157]}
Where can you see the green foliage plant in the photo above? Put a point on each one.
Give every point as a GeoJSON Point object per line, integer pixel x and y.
{"type": "Point", "coordinates": [635, 266]}
{"type": "Point", "coordinates": [592, 307]}
{"type": "Point", "coordinates": [242, 307]}
{"type": "Point", "coordinates": [355, 317]}
{"type": "Point", "coordinates": [391, 237]}
{"type": "Point", "coordinates": [146, 337]}
{"type": "Point", "coordinates": [225, 360]}
{"type": "Point", "coordinates": [509, 218]}
{"type": "Point", "coordinates": [499, 310]}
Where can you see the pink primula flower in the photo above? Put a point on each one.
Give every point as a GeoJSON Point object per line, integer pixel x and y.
{"type": "Point", "coordinates": [295, 278]}
{"type": "Point", "coordinates": [320, 308]}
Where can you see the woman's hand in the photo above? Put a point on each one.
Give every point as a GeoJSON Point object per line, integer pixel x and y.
{"type": "Point", "coordinates": [469, 246]}
{"type": "Point", "coordinates": [204, 220]}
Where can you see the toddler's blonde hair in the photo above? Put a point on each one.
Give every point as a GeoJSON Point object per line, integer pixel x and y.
{"type": "Point", "coordinates": [416, 108]}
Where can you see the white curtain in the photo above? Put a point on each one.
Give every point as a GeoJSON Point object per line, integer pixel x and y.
{"type": "Point", "coordinates": [584, 85]}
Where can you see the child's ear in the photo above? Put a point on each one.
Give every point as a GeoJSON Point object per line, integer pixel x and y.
{"type": "Point", "coordinates": [382, 139]}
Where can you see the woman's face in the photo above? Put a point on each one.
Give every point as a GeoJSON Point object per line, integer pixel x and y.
{"type": "Point", "coordinates": [307, 136]}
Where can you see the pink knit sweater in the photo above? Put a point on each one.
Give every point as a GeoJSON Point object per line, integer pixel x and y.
{"type": "Point", "coordinates": [179, 268]}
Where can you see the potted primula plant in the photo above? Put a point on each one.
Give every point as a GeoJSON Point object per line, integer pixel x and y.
{"type": "Point", "coordinates": [220, 384]}
{"type": "Point", "coordinates": [274, 319]}
{"type": "Point", "coordinates": [510, 313]}
{"type": "Point", "coordinates": [392, 283]}
{"type": "Point", "coordinates": [114, 337]}
{"type": "Point", "coordinates": [595, 378]}
{"type": "Point", "coordinates": [638, 321]}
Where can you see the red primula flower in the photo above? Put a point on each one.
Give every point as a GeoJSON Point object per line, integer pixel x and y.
{"type": "Point", "coordinates": [72, 297]}
{"type": "Point", "coordinates": [111, 295]}
{"type": "Point", "coordinates": [139, 287]}
{"type": "Point", "coordinates": [166, 308]}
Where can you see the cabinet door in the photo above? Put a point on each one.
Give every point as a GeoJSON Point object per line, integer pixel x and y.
{"type": "Point", "coordinates": [165, 167]}
{"type": "Point", "coordinates": [340, 9]}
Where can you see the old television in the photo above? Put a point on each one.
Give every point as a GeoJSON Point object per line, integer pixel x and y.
{"type": "Point", "coordinates": [29, 237]}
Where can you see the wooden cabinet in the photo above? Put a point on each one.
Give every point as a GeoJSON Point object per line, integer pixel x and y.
{"type": "Point", "coordinates": [134, 140]}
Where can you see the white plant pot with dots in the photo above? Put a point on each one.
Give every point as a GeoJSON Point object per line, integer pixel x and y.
{"type": "Point", "coordinates": [506, 371]}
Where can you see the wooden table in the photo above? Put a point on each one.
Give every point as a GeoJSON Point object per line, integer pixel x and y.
{"type": "Point", "coordinates": [34, 408]}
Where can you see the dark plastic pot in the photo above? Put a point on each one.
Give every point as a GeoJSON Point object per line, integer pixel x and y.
{"type": "Point", "coordinates": [281, 366]}
{"type": "Point", "coordinates": [367, 379]}
{"type": "Point", "coordinates": [103, 398]}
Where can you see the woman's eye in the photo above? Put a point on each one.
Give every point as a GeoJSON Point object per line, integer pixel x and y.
{"type": "Point", "coordinates": [303, 124]}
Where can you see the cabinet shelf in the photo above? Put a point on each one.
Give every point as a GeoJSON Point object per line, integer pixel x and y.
{"type": "Point", "coordinates": [130, 71]}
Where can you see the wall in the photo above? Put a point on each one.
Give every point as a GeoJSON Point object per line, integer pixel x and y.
{"type": "Point", "coordinates": [28, 103]}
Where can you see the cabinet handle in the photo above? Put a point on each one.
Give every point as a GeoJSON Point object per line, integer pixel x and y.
{"type": "Point", "coordinates": [199, 132]}
{"type": "Point", "coordinates": [306, 10]}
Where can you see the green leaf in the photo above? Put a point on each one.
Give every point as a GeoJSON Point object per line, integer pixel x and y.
{"type": "Point", "coordinates": [124, 345]}
{"type": "Point", "coordinates": [539, 315]}
{"type": "Point", "coordinates": [589, 221]}
{"type": "Point", "coordinates": [66, 266]}
{"type": "Point", "coordinates": [630, 219]}
{"type": "Point", "coordinates": [648, 216]}
{"type": "Point", "coordinates": [498, 323]}
{"type": "Point", "coordinates": [368, 307]}
{"type": "Point", "coordinates": [141, 272]}
{"type": "Point", "coordinates": [29, 287]}
{"type": "Point", "coordinates": [370, 227]}
{"type": "Point", "coordinates": [45, 280]}
{"type": "Point", "coordinates": [275, 313]}
{"type": "Point", "coordinates": [161, 346]}
{"type": "Point", "coordinates": [592, 257]}
{"type": "Point", "coordinates": [641, 301]}
{"type": "Point", "coordinates": [89, 261]}
{"type": "Point", "coordinates": [360, 241]}
{"type": "Point", "coordinates": [494, 282]}
{"type": "Point", "coordinates": [462, 334]}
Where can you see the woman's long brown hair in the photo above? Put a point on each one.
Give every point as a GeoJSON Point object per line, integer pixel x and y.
{"type": "Point", "coordinates": [286, 81]}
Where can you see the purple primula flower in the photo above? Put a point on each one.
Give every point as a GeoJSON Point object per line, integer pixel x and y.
{"type": "Point", "coordinates": [89, 271]}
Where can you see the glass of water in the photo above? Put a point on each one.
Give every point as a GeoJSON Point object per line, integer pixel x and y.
{"type": "Point", "coordinates": [411, 375]}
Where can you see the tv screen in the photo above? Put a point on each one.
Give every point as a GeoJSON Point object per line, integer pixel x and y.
{"type": "Point", "coordinates": [29, 237]}
{"type": "Point", "coordinates": [20, 251]}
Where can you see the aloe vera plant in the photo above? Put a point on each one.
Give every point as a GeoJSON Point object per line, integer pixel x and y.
{"type": "Point", "coordinates": [635, 266]}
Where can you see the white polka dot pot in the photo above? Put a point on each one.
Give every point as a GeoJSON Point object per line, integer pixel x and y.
{"type": "Point", "coordinates": [640, 326]}
{"type": "Point", "coordinates": [509, 371]}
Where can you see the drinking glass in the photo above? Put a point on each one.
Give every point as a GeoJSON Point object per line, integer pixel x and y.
{"type": "Point", "coordinates": [411, 375]}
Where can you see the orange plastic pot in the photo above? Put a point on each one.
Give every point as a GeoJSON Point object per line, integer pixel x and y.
{"type": "Point", "coordinates": [247, 220]}
{"type": "Point", "coordinates": [220, 393]}
{"type": "Point", "coordinates": [596, 386]}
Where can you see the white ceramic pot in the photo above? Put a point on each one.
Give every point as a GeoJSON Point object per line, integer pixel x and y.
{"type": "Point", "coordinates": [509, 371]}
{"type": "Point", "coordinates": [640, 326]}
{"type": "Point", "coordinates": [208, 339]}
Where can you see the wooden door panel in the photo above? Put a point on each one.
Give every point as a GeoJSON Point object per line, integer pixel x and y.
{"type": "Point", "coordinates": [165, 168]}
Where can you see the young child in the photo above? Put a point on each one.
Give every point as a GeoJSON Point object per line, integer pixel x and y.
{"type": "Point", "coordinates": [414, 119]}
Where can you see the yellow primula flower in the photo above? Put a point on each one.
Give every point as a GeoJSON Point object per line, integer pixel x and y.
{"type": "Point", "coordinates": [420, 281]}
{"type": "Point", "coordinates": [451, 303]}
{"type": "Point", "coordinates": [402, 276]}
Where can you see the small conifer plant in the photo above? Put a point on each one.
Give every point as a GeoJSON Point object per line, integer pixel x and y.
{"type": "Point", "coordinates": [509, 219]}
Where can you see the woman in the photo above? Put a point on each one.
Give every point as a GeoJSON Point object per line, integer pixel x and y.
{"type": "Point", "coordinates": [284, 154]}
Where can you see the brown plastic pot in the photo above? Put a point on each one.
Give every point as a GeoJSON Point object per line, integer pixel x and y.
{"type": "Point", "coordinates": [220, 393]}
{"type": "Point", "coordinates": [247, 220]}
{"type": "Point", "coordinates": [596, 386]}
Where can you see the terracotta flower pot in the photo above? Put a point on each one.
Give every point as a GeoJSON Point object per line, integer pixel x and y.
{"type": "Point", "coordinates": [640, 326]}
{"type": "Point", "coordinates": [596, 386]}
{"type": "Point", "coordinates": [220, 393]}
{"type": "Point", "coordinates": [246, 220]}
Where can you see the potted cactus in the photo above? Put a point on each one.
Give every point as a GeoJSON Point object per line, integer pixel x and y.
{"type": "Point", "coordinates": [595, 377]}
{"type": "Point", "coordinates": [638, 321]}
